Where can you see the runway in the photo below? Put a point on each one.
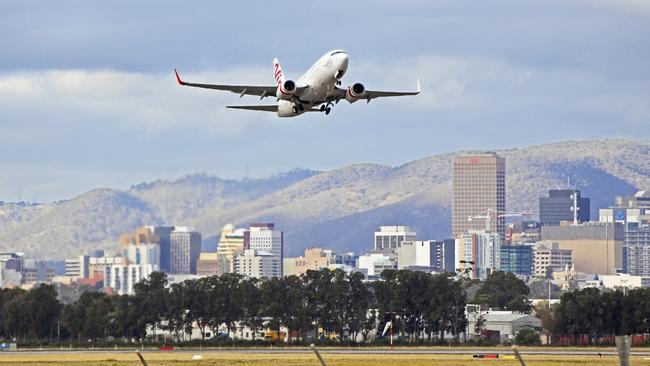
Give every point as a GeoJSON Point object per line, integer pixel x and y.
{"type": "Point", "coordinates": [344, 351]}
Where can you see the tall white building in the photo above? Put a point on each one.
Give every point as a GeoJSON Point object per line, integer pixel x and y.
{"type": "Point", "coordinates": [479, 252]}
{"type": "Point", "coordinates": [258, 264]}
{"type": "Point", "coordinates": [265, 238]}
{"type": "Point", "coordinates": [185, 247]}
{"type": "Point", "coordinates": [143, 255]}
{"type": "Point", "coordinates": [122, 278]}
{"type": "Point", "coordinates": [392, 237]}
{"type": "Point", "coordinates": [78, 267]}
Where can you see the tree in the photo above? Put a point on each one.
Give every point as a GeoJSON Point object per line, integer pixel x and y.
{"type": "Point", "coordinates": [505, 291]}
{"type": "Point", "coordinates": [251, 304]}
{"type": "Point", "coordinates": [150, 295]}
{"type": "Point", "coordinates": [527, 337]}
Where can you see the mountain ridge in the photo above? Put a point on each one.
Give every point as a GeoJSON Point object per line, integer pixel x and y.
{"type": "Point", "coordinates": [339, 208]}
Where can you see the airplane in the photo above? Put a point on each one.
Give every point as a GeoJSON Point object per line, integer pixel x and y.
{"type": "Point", "coordinates": [315, 91]}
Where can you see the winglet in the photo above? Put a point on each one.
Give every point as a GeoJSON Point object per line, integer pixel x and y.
{"type": "Point", "coordinates": [178, 78]}
{"type": "Point", "coordinates": [419, 90]}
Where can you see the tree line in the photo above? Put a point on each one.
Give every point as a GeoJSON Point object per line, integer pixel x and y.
{"type": "Point", "coordinates": [319, 305]}
{"type": "Point", "coordinates": [326, 305]}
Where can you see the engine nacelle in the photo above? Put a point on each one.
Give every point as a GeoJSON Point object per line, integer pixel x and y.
{"type": "Point", "coordinates": [355, 92]}
{"type": "Point", "coordinates": [286, 90]}
{"type": "Point", "coordinates": [286, 108]}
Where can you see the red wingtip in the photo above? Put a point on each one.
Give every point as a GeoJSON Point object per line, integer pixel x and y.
{"type": "Point", "coordinates": [178, 78]}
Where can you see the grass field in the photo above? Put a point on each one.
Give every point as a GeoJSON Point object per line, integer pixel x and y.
{"type": "Point", "coordinates": [243, 359]}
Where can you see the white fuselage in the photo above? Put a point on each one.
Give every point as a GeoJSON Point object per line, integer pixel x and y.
{"type": "Point", "coordinates": [320, 81]}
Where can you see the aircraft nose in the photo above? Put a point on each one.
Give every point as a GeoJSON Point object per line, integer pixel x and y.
{"type": "Point", "coordinates": [343, 60]}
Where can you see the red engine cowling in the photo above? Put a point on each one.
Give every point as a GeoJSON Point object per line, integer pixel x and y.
{"type": "Point", "coordinates": [355, 92]}
{"type": "Point", "coordinates": [286, 90]}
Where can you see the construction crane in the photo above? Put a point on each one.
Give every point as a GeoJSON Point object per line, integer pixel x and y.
{"type": "Point", "coordinates": [490, 213]}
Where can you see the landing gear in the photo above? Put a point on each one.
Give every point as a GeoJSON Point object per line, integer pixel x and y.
{"type": "Point", "coordinates": [298, 108]}
{"type": "Point", "coordinates": [338, 82]}
{"type": "Point", "coordinates": [327, 108]}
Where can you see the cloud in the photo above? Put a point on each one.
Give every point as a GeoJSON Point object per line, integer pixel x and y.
{"type": "Point", "coordinates": [88, 97]}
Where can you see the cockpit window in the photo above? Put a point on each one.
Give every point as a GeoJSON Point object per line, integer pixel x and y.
{"type": "Point", "coordinates": [336, 52]}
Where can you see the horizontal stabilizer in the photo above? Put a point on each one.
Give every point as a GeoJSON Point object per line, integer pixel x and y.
{"type": "Point", "coordinates": [264, 108]}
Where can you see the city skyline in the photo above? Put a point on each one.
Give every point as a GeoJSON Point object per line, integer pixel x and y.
{"type": "Point", "coordinates": [78, 84]}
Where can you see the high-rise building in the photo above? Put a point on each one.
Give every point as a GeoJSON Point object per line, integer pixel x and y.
{"type": "Point", "coordinates": [517, 259]}
{"type": "Point", "coordinates": [231, 244]}
{"type": "Point", "coordinates": [122, 278]}
{"type": "Point", "coordinates": [143, 254]}
{"type": "Point", "coordinates": [258, 264]}
{"type": "Point", "coordinates": [478, 252]}
{"type": "Point", "coordinates": [184, 250]}
{"type": "Point", "coordinates": [392, 237]}
{"type": "Point", "coordinates": [164, 233]}
{"type": "Point", "coordinates": [558, 207]}
{"type": "Point", "coordinates": [265, 238]}
{"type": "Point", "coordinates": [445, 252]}
{"type": "Point", "coordinates": [78, 267]}
{"type": "Point", "coordinates": [549, 258]}
{"type": "Point", "coordinates": [637, 251]}
{"type": "Point", "coordinates": [160, 235]}
{"type": "Point", "coordinates": [597, 246]}
{"type": "Point", "coordinates": [479, 189]}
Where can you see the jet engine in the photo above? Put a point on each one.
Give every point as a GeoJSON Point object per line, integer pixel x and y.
{"type": "Point", "coordinates": [355, 92]}
{"type": "Point", "coordinates": [286, 90]}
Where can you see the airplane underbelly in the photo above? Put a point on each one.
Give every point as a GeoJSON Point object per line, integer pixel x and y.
{"type": "Point", "coordinates": [319, 89]}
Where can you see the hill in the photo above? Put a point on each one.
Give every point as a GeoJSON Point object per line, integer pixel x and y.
{"type": "Point", "coordinates": [338, 209]}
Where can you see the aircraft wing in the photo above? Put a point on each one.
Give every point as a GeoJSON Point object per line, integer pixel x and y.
{"type": "Point", "coordinates": [264, 108]}
{"type": "Point", "coordinates": [260, 91]}
{"type": "Point", "coordinates": [372, 94]}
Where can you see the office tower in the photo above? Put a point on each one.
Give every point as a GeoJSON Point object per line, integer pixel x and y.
{"type": "Point", "coordinates": [548, 258]}
{"type": "Point", "coordinates": [185, 246]}
{"type": "Point", "coordinates": [265, 238]}
{"type": "Point", "coordinates": [479, 194]}
{"type": "Point", "coordinates": [231, 244]}
{"type": "Point", "coordinates": [558, 207]}
{"type": "Point", "coordinates": [164, 234]}
{"type": "Point", "coordinates": [637, 251]}
{"type": "Point", "coordinates": [121, 279]}
{"type": "Point", "coordinates": [597, 246]}
{"type": "Point", "coordinates": [392, 237]}
{"type": "Point", "coordinates": [258, 264]}
{"type": "Point", "coordinates": [143, 255]}
{"type": "Point", "coordinates": [517, 259]}
{"type": "Point", "coordinates": [478, 253]}
{"type": "Point", "coordinates": [78, 267]}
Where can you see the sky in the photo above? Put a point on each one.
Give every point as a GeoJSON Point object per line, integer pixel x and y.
{"type": "Point", "coordinates": [88, 98]}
